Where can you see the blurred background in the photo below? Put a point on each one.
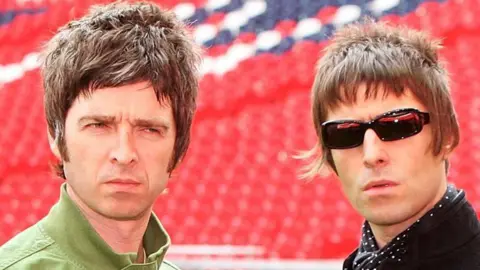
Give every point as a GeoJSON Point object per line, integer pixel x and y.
{"type": "Point", "coordinates": [236, 202]}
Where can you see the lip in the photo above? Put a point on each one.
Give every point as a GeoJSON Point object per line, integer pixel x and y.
{"type": "Point", "coordinates": [379, 184]}
{"type": "Point", "coordinates": [123, 181]}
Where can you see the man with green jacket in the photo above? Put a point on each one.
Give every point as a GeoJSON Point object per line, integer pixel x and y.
{"type": "Point", "coordinates": [120, 94]}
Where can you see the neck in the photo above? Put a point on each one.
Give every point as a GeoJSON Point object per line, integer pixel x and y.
{"type": "Point", "coordinates": [385, 233]}
{"type": "Point", "coordinates": [122, 236]}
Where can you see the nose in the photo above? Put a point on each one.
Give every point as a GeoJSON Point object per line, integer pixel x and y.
{"type": "Point", "coordinates": [374, 154]}
{"type": "Point", "coordinates": [124, 151]}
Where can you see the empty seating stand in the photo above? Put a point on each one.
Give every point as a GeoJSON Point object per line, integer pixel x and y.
{"type": "Point", "coordinates": [238, 184]}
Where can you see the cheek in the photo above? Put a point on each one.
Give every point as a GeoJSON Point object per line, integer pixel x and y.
{"type": "Point", "coordinates": [156, 156]}
{"type": "Point", "coordinates": [413, 155]}
{"type": "Point", "coordinates": [86, 149]}
{"type": "Point", "coordinates": [155, 164]}
{"type": "Point", "coordinates": [348, 164]}
{"type": "Point", "coordinates": [347, 161]}
{"type": "Point", "coordinates": [86, 156]}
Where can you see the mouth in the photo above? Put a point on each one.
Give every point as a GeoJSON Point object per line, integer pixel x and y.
{"type": "Point", "coordinates": [123, 182]}
{"type": "Point", "coordinates": [382, 184]}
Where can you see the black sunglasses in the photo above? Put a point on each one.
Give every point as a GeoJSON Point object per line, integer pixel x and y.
{"type": "Point", "coordinates": [390, 126]}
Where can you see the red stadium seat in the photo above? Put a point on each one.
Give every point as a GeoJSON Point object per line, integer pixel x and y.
{"type": "Point", "coordinates": [238, 184]}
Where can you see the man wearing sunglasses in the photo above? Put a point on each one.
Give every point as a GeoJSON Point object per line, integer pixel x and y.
{"type": "Point", "coordinates": [386, 126]}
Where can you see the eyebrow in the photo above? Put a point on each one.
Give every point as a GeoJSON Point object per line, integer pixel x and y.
{"type": "Point", "coordinates": [152, 122]}
{"type": "Point", "coordinates": [142, 122]}
{"type": "Point", "coordinates": [96, 118]}
{"type": "Point", "coordinates": [379, 116]}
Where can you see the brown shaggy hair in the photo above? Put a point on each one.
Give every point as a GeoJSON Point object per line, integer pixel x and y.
{"type": "Point", "coordinates": [119, 44]}
{"type": "Point", "coordinates": [378, 54]}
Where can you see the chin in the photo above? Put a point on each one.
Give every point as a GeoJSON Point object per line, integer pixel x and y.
{"type": "Point", "coordinates": [388, 217]}
{"type": "Point", "coordinates": [124, 211]}
{"type": "Point", "coordinates": [124, 215]}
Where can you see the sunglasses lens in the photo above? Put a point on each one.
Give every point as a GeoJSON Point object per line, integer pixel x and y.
{"type": "Point", "coordinates": [343, 135]}
{"type": "Point", "coordinates": [396, 127]}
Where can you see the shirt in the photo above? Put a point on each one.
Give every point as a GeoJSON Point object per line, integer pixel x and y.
{"type": "Point", "coordinates": [64, 239]}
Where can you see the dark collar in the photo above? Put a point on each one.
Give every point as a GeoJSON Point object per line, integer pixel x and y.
{"type": "Point", "coordinates": [452, 227]}
{"type": "Point", "coordinates": [67, 226]}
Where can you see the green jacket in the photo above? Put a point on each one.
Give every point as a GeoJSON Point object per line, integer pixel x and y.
{"type": "Point", "coordinates": [65, 240]}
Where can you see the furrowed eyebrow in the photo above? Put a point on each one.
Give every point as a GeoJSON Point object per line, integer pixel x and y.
{"type": "Point", "coordinates": [153, 122]}
{"type": "Point", "coordinates": [96, 118]}
{"type": "Point", "coordinates": [150, 122]}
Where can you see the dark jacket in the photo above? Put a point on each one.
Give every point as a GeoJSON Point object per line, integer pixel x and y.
{"type": "Point", "coordinates": [448, 242]}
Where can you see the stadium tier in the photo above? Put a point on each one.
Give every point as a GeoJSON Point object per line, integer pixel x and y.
{"type": "Point", "coordinates": [238, 185]}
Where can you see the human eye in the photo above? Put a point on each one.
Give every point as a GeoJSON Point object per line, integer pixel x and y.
{"type": "Point", "coordinates": [152, 130]}
{"type": "Point", "coordinates": [96, 125]}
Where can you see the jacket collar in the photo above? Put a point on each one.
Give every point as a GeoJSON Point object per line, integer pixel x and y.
{"type": "Point", "coordinates": [68, 227]}
{"type": "Point", "coordinates": [454, 228]}
{"type": "Point", "coordinates": [440, 235]}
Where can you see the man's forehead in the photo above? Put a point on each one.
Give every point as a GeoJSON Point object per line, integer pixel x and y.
{"type": "Point", "coordinates": [370, 108]}
{"type": "Point", "coordinates": [367, 101]}
{"type": "Point", "coordinates": [121, 104]}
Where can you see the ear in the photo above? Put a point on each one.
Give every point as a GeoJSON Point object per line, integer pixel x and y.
{"type": "Point", "coordinates": [447, 151]}
{"type": "Point", "coordinates": [448, 147]}
{"type": "Point", "coordinates": [53, 142]}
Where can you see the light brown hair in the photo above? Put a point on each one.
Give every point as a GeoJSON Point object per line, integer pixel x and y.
{"type": "Point", "coordinates": [378, 54]}
{"type": "Point", "coordinates": [119, 44]}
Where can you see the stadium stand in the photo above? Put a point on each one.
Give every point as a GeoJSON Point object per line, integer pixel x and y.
{"type": "Point", "coordinates": [236, 195]}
